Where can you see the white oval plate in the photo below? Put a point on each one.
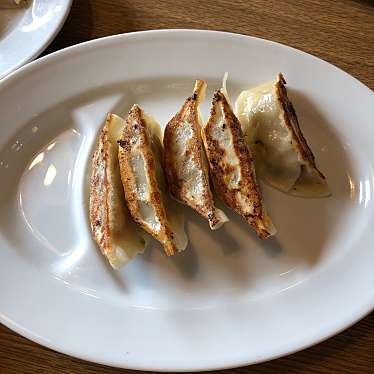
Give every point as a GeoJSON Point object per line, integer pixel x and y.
{"type": "Point", "coordinates": [26, 32]}
{"type": "Point", "coordinates": [229, 299]}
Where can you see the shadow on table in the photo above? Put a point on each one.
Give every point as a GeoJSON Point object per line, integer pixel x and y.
{"type": "Point", "coordinates": [352, 350]}
{"type": "Point", "coordinates": [78, 28]}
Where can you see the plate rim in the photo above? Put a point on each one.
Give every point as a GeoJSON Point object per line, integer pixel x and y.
{"type": "Point", "coordinates": [362, 313]}
{"type": "Point", "coordinates": [70, 49]}
{"type": "Point", "coordinates": [43, 46]}
{"type": "Point", "coordinates": [47, 344]}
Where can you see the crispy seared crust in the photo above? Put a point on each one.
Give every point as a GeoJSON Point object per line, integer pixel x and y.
{"type": "Point", "coordinates": [99, 209]}
{"type": "Point", "coordinates": [110, 221]}
{"type": "Point", "coordinates": [292, 124]}
{"type": "Point", "coordinates": [136, 140]}
{"type": "Point", "coordinates": [187, 176]}
{"type": "Point", "coordinates": [246, 189]}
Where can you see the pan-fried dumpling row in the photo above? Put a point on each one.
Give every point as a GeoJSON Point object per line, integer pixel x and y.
{"type": "Point", "coordinates": [231, 166]}
{"type": "Point", "coordinates": [143, 182]}
{"type": "Point", "coordinates": [118, 237]}
{"type": "Point", "coordinates": [269, 130]}
{"type": "Point", "coordinates": [184, 160]}
{"type": "Point", "coordinates": [281, 154]}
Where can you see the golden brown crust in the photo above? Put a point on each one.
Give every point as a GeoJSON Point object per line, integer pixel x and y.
{"type": "Point", "coordinates": [118, 237]}
{"type": "Point", "coordinates": [292, 124]}
{"type": "Point", "coordinates": [136, 136]}
{"type": "Point", "coordinates": [99, 206]}
{"type": "Point", "coordinates": [99, 210]}
{"type": "Point", "coordinates": [180, 163]}
{"type": "Point", "coordinates": [246, 188]}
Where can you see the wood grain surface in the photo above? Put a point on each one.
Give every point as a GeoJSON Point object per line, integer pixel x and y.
{"type": "Point", "coordinates": [338, 31]}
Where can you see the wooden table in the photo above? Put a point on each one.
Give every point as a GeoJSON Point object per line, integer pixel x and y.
{"type": "Point", "coordinates": [341, 32]}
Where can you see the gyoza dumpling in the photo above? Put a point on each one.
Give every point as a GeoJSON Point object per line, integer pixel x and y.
{"type": "Point", "coordinates": [231, 166]}
{"type": "Point", "coordinates": [281, 153]}
{"type": "Point", "coordinates": [184, 160]}
{"type": "Point", "coordinates": [118, 237]}
{"type": "Point", "coordinates": [140, 157]}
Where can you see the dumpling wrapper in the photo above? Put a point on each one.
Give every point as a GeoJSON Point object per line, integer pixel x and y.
{"type": "Point", "coordinates": [140, 158]}
{"type": "Point", "coordinates": [272, 132]}
{"type": "Point", "coordinates": [118, 237]}
{"type": "Point", "coordinates": [231, 167]}
{"type": "Point", "coordinates": [186, 168]}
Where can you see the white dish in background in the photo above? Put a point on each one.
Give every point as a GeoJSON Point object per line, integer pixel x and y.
{"type": "Point", "coordinates": [229, 299]}
{"type": "Point", "coordinates": [26, 31]}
